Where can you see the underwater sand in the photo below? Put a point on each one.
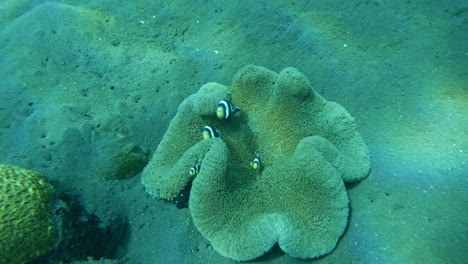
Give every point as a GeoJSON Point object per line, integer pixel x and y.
{"type": "Point", "coordinates": [82, 82]}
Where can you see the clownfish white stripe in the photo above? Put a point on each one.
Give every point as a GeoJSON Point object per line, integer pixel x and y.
{"type": "Point", "coordinates": [226, 107]}
{"type": "Point", "coordinates": [225, 110]}
{"type": "Point", "coordinates": [194, 170]}
{"type": "Point", "coordinates": [209, 132]}
{"type": "Point", "coordinates": [255, 164]}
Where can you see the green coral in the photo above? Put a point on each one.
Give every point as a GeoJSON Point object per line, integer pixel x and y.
{"type": "Point", "coordinates": [26, 224]}
{"type": "Point", "coordinates": [307, 146]}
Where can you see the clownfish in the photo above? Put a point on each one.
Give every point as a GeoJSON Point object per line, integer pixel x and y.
{"type": "Point", "coordinates": [255, 163]}
{"type": "Point", "coordinates": [209, 132]}
{"type": "Point", "coordinates": [195, 169]}
{"type": "Point", "coordinates": [225, 110]}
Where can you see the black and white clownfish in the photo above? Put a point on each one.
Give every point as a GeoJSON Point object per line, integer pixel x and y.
{"type": "Point", "coordinates": [209, 132]}
{"type": "Point", "coordinates": [225, 110]}
{"type": "Point", "coordinates": [255, 163]}
{"type": "Point", "coordinates": [195, 169]}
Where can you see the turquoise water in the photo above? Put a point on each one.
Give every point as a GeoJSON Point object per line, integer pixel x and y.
{"type": "Point", "coordinates": [85, 82]}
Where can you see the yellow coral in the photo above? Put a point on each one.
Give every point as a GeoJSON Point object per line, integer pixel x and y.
{"type": "Point", "coordinates": [26, 224]}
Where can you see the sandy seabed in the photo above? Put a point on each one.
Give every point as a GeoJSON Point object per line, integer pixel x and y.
{"type": "Point", "coordinates": [82, 82]}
